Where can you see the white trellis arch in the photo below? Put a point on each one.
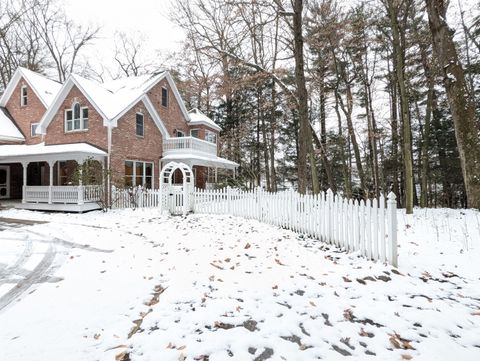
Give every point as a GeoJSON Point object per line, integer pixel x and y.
{"type": "Point", "coordinates": [177, 197]}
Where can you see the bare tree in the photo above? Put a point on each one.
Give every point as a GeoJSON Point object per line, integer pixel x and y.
{"type": "Point", "coordinates": [61, 36]}
{"type": "Point", "coordinates": [461, 104]}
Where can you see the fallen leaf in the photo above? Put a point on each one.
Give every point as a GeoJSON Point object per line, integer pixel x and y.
{"type": "Point", "coordinates": [247, 246]}
{"type": "Point", "coordinates": [122, 356]}
{"type": "Point", "coordinates": [406, 357]}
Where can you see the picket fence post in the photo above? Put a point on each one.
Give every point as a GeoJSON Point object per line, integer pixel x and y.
{"type": "Point", "coordinates": [392, 227]}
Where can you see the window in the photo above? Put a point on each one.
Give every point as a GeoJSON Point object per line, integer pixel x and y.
{"type": "Point", "coordinates": [33, 128]}
{"type": "Point", "coordinates": [23, 96]}
{"type": "Point", "coordinates": [138, 174]}
{"type": "Point", "coordinates": [180, 134]}
{"type": "Point", "coordinates": [165, 97]}
{"type": "Point", "coordinates": [195, 133]}
{"type": "Point", "coordinates": [210, 136]}
{"type": "Point", "coordinates": [139, 125]}
{"type": "Point", "coordinates": [76, 118]}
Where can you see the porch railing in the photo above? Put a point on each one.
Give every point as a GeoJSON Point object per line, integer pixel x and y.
{"type": "Point", "coordinates": [188, 144]}
{"type": "Point", "coordinates": [62, 194]}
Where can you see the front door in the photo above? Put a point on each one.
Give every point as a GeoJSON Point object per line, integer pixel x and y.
{"type": "Point", "coordinates": [4, 181]}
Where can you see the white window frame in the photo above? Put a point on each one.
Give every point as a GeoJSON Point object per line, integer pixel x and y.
{"type": "Point", "coordinates": [168, 97]}
{"type": "Point", "coordinates": [134, 175]}
{"type": "Point", "coordinates": [143, 125]}
{"type": "Point", "coordinates": [208, 134]}
{"type": "Point", "coordinates": [198, 130]}
{"type": "Point", "coordinates": [24, 97]}
{"type": "Point", "coordinates": [82, 119]}
{"type": "Point", "coordinates": [31, 130]}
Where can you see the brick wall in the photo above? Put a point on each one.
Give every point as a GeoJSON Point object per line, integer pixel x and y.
{"type": "Point", "coordinates": [26, 115]}
{"type": "Point", "coordinates": [126, 145]}
{"type": "Point", "coordinates": [172, 115]}
{"type": "Point", "coordinates": [96, 133]}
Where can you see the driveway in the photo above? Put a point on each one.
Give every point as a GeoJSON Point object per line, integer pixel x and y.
{"type": "Point", "coordinates": [26, 261]}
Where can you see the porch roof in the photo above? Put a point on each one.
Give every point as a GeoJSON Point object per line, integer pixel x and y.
{"type": "Point", "coordinates": [201, 160]}
{"type": "Point", "coordinates": [41, 152]}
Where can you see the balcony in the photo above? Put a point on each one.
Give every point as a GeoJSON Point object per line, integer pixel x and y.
{"type": "Point", "coordinates": [188, 145]}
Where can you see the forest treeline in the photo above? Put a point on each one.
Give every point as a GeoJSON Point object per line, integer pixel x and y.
{"type": "Point", "coordinates": [363, 97]}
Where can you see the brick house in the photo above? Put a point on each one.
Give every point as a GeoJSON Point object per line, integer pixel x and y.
{"type": "Point", "coordinates": [131, 126]}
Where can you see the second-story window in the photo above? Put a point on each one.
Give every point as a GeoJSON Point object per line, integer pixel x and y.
{"type": "Point", "coordinates": [139, 125]}
{"type": "Point", "coordinates": [180, 134]}
{"type": "Point", "coordinates": [195, 133]}
{"type": "Point", "coordinates": [165, 97]}
{"type": "Point", "coordinates": [210, 136]}
{"type": "Point", "coordinates": [23, 96]}
{"type": "Point", "coordinates": [76, 118]}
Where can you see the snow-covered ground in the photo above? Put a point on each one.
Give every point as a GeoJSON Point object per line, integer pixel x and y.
{"type": "Point", "coordinates": [99, 285]}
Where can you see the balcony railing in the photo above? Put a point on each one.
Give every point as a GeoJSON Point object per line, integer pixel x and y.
{"type": "Point", "coordinates": [62, 194]}
{"type": "Point", "coordinates": [188, 145]}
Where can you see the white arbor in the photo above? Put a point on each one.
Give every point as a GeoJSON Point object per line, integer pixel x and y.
{"type": "Point", "coordinates": [177, 197]}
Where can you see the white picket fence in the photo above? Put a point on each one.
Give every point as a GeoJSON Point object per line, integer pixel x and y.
{"type": "Point", "coordinates": [136, 197]}
{"type": "Point", "coordinates": [368, 227]}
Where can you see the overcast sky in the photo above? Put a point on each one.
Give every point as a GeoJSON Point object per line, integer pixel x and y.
{"type": "Point", "coordinates": [146, 17]}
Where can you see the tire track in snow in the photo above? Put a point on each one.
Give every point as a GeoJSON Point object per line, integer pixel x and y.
{"type": "Point", "coordinates": [21, 260]}
{"type": "Point", "coordinates": [35, 276]}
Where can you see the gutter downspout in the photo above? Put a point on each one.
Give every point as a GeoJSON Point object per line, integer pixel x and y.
{"type": "Point", "coordinates": [109, 151]}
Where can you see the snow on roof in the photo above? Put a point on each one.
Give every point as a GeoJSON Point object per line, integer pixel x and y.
{"type": "Point", "coordinates": [22, 150]}
{"type": "Point", "coordinates": [197, 117]}
{"type": "Point", "coordinates": [142, 82]}
{"type": "Point", "coordinates": [45, 88]}
{"type": "Point", "coordinates": [8, 130]}
{"type": "Point", "coordinates": [115, 96]}
{"type": "Point", "coordinates": [207, 160]}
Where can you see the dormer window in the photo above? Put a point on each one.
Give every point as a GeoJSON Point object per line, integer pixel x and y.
{"type": "Point", "coordinates": [23, 96]}
{"type": "Point", "coordinates": [76, 118]}
{"type": "Point", "coordinates": [165, 97]}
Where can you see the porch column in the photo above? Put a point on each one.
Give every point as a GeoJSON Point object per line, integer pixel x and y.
{"type": "Point", "coordinates": [234, 171]}
{"type": "Point", "coordinates": [24, 184]}
{"type": "Point", "coordinates": [51, 163]}
{"type": "Point", "coordinates": [216, 175]}
{"type": "Point", "coordinates": [80, 182]}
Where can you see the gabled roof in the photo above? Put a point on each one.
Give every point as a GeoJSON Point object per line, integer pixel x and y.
{"type": "Point", "coordinates": [8, 129]}
{"type": "Point", "coordinates": [113, 99]}
{"type": "Point", "coordinates": [45, 89]}
{"type": "Point", "coordinates": [197, 117]}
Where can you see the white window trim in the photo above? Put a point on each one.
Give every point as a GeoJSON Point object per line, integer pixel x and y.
{"type": "Point", "coordinates": [82, 120]}
{"type": "Point", "coordinates": [23, 97]}
{"type": "Point", "coordinates": [31, 130]}
{"type": "Point", "coordinates": [197, 129]}
{"type": "Point", "coordinates": [168, 97]}
{"type": "Point", "coordinates": [143, 126]}
{"type": "Point", "coordinates": [207, 133]}
{"type": "Point", "coordinates": [134, 175]}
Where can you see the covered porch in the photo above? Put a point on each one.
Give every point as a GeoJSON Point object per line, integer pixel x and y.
{"type": "Point", "coordinates": [42, 176]}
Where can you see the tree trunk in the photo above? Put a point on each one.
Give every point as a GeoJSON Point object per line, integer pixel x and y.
{"type": "Point", "coordinates": [305, 149]}
{"type": "Point", "coordinates": [461, 105]}
{"type": "Point", "coordinates": [398, 55]}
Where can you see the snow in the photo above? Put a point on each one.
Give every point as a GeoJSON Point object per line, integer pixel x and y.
{"type": "Point", "coordinates": [197, 117]}
{"type": "Point", "coordinates": [8, 130]}
{"type": "Point", "coordinates": [114, 97]}
{"type": "Point", "coordinates": [45, 88]}
{"type": "Point", "coordinates": [207, 160]}
{"type": "Point", "coordinates": [42, 149]}
{"type": "Point", "coordinates": [235, 289]}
